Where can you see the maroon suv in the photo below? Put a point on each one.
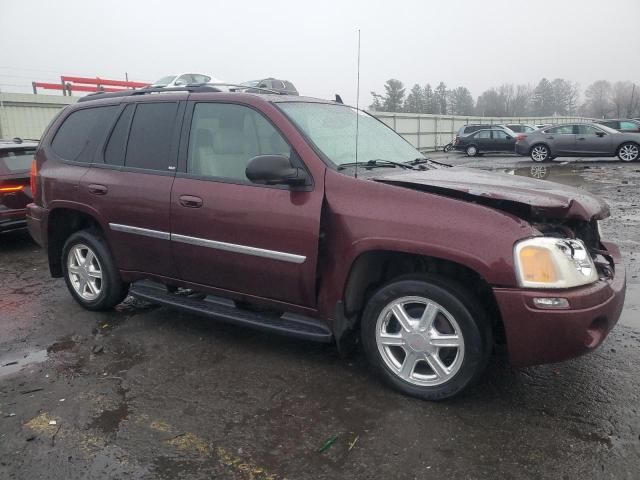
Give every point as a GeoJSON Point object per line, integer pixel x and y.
{"type": "Point", "coordinates": [251, 209]}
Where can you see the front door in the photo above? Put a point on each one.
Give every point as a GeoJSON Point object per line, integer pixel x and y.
{"type": "Point", "coordinates": [592, 141]}
{"type": "Point", "coordinates": [229, 233]}
{"type": "Point", "coordinates": [503, 142]}
{"type": "Point", "coordinates": [129, 186]}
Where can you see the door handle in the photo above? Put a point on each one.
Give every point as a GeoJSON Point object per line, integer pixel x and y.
{"type": "Point", "coordinates": [190, 201]}
{"type": "Point", "coordinates": [550, 137]}
{"type": "Point", "coordinates": [581, 138]}
{"type": "Point", "coordinates": [97, 189]}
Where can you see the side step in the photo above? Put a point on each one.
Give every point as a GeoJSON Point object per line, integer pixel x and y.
{"type": "Point", "coordinates": [288, 324]}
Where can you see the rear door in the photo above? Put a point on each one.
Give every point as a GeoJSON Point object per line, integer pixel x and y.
{"type": "Point", "coordinates": [230, 233]}
{"type": "Point", "coordinates": [592, 141]}
{"type": "Point", "coordinates": [129, 185]}
{"type": "Point", "coordinates": [561, 139]}
{"type": "Point", "coordinates": [483, 140]}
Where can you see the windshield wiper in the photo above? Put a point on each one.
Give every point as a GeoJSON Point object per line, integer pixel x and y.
{"type": "Point", "coordinates": [376, 164]}
{"type": "Point", "coordinates": [422, 160]}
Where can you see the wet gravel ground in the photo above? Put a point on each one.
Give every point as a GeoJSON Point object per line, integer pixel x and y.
{"type": "Point", "coordinates": [146, 392]}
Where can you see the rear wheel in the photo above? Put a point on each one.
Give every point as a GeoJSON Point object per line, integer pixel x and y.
{"type": "Point", "coordinates": [629, 152]}
{"type": "Point", "coordinates": [426, 336]}
{"type": "Point", "coordinates": [472, 150]}
{"type": "Point", "coordinates": [90, 272]}
{"type": "Point", "coordinates": [540, 153]}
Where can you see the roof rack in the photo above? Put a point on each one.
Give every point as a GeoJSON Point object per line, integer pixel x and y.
{"type": "Point", "coordinates": [191, 88]}
{"type": "Point", "coordinates": [143, 91]}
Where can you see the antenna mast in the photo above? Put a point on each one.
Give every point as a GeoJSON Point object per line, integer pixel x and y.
{"type": "Point", "coordinates": [357, 103]}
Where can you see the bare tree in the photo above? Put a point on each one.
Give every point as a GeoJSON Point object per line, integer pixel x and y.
{"type": "Point", "coordinates": [621, 98]}
{"type": "Point", "coordinates": [598, 99]}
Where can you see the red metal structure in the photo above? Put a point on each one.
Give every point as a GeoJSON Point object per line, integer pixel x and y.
{"type": "Point", "coordinates": [69, 84]}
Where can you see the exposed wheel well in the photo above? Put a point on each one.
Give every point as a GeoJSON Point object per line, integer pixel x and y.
{"type": "Point", "coordinates": [63, 222]}
{"type": "Point", "coordinates": [373, 269]}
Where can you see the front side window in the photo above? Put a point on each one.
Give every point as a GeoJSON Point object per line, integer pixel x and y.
{"type": "Point", "coordinates": [225, 137]}
{"type": "Point", "coordinates": [561, 130]}
{"type": "Point", "coordinates": [151, 135]}
{"type": "Point", "coordinates": [332, 129]}
{"type": "Point", "coordinates": [499, 135]}
{"type": "Point", "coordinates": [585, 130]}
{"type": "Point", "coordinates": [82, 132]}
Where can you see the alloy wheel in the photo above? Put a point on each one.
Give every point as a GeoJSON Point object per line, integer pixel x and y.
{"type": "Point", "coordinates": [85, 272]}
{"type": "Point", "coordinates": [539, 153]}
{"type": "Point", "coordinates": [628, 153]}
{"type": "Point", "coordinates": [419, 341]}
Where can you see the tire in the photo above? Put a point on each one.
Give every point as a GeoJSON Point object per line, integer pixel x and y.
{"type": "Point", "coordinates": [540, 153]}
{"type": "Point", "coordinates": [447, 147]}
{"type": "Point", "coordinates": [98, 286]}
{"type": "Point", "coordinates": [471, 151]}
{"type": "Point", "coordinates": [389, 346]}
{"type": "Point", "coordinates": [628, 152]}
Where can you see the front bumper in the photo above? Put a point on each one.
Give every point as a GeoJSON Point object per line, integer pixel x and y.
{"type": "Point", "coordinates": [536, 336]}
{"type": "Point", "coordinates": [521, 149]}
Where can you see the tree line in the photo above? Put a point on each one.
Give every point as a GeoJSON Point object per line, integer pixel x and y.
{"type": "Point", "coordinates": [602, 99]}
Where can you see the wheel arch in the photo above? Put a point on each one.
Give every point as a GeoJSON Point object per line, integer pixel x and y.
{"type": "Point", "coordinates": [62, 222]}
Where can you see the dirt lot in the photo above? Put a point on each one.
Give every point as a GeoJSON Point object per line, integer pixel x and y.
{"type": "Point", "coordinates": [145, 392]}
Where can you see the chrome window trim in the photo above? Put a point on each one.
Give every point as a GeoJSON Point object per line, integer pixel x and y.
{"type": "Point", "coordinates": [140, 231]}
{"type": "Point", "coordinates": [234, 248]}
{"type": "Point", "coordinates": [203, 242]}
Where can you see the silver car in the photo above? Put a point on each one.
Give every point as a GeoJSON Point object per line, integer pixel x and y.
{"type": "Point", "coordinates": [578, 140]}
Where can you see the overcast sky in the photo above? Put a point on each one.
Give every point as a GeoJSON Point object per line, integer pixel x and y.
{"type": "Point", "coordinates": [477, 44]}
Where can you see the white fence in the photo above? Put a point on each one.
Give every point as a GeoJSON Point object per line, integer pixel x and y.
{"type": "Point", "coordinates": [432, 132]}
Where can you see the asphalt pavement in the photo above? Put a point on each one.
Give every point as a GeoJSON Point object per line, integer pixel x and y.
{"type": "Point", "coordinates": [145, 392]}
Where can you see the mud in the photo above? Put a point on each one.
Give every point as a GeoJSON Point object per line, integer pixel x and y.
{"type": "Point", "coordinates": [145, 392]}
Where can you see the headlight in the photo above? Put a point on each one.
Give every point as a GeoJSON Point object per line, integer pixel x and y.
{"type": "Point", "coordinates": [546, 262]}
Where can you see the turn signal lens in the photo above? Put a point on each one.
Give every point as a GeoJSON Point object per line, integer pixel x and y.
{"type": "Point", "coordinates": [32, 177]}
{"type": "Point", "coordinates": [11, 189]}
{"type": "Point", "coordinates": [537, 265]}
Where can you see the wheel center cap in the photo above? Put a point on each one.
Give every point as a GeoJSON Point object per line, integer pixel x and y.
{"type": "Point", "coordinates": [418, 342]}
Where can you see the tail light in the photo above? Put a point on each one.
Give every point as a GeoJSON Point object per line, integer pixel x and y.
{"type": "Point", "coordinates": [33, 178]}
{"type": "Point", "coordinates": [10, 189]}
{"type": "Point", "coordinates": [455, 142]}
{"type": "Point", "coordinates": [520, 137]}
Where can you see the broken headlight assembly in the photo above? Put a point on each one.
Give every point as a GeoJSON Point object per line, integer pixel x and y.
{"type": "Point", "coordinates": [546, 262]}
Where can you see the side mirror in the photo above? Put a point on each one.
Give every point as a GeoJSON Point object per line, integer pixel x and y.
{"type": "Point", "coordinates": [508, 137]}
{"type": "Point", "coordinates": [275, 170]}
{"type": "Point", "coordinates": [600, 134]}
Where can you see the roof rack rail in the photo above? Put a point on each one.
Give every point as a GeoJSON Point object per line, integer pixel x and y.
{"type": "Point", "coordinates": [143, 91]}
{"type": "Point", "coordinates": [246, 87]}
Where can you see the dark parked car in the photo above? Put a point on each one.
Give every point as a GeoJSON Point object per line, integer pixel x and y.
{"type": "Point", "coordinates": [519, 127]}
{"type": "Point", "coordinates": [579, 140]}
{"type": "Point", "coordinates": [622, 125]}
{"type": "Point", "coordinates": [486, 141]}
{"type": "Point", "coordinates": [280, 86]}
{"type": "Point", "coordinates": [247, 208]}
{"type": "Point", "coordinates": [15, 192]}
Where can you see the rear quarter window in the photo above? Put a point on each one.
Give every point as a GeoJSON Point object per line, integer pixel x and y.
{"type": "Point", "coordinates": [82, 131]}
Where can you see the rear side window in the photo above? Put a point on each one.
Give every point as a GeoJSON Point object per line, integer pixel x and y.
{"type": "Point", "coordinates": [628, 126]}
{"type": "Point", "coordinates": [483, 134]}
{"type": "Point", "coordinates": [499, 134]}
{"type": "Point", "coordinates": [82, 132]}
{"type": "Point", "coordinates": [150, 137]}
{"type": "Point", "coordinates": [562, 129]}
{"type": "Point", "coordinates": [117, 146]}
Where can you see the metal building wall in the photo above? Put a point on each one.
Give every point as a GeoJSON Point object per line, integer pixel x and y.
{"type": "Point", "coordinates": [27, 115]}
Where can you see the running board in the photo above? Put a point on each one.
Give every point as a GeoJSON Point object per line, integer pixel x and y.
{"type": "Point", "coordinates": [288, 324]}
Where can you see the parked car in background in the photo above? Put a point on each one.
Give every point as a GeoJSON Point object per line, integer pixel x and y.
{"type": "Point", "coordinates": [488, 140]}
{"type": "Point", "coordinates": [578, 140]}
{"type": "Point", "coordinates": [518, 127]}
{"type": "Point", "coordinates": [471, 127]}
{"type": "Point", "coordinates": [280, 86]}
{"type": "Point", "coordinates": [622, 125]}
{"type": "Point", "coordinates": [247, 209]}
{"type": "Point", "coordinates": [542, 125]}
{"type": "Point", "coordinates": [15, 191]}
{"type": "Point", "coordinates": [184, 79]}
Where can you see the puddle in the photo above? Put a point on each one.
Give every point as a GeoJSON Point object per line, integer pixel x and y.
{"type": "Point", "coordinates": [566, 174]}
{"type": "Point", "coordinates": [631, 313]}
{"type": "Point", "coordinates": [109, 420]}
{"type": "Point", "coordinates": [9, 366]}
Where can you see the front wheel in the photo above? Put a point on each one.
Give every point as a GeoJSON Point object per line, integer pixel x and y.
{"type": "Point", "coordinates": [540, 153]}
{"type": "Point", "coordinates": [629, 152]}
{"type": "Point", "coordinates": [90, 273]}
{"type": "Point", "coordinates": [472, 151]}
{"type": "Point", "coordinates": [426, 336]}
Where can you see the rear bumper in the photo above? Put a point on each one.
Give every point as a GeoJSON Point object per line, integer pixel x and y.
{"type": "Point", "coordinates": [12, 220]}
{"type": "Point", "coordinates": [536, 336]}
{"type": "Point", "coordinates": [35, 219]}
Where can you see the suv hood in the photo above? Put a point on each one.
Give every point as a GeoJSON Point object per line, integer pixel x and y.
{"type": "Point", "coordinates": [527, 198]}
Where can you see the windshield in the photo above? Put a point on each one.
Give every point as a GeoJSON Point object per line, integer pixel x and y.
{"type": "Point", "coordinates": [164, 81]}
{"type": "Point", "coordinates": [332, 128]}
{"type": "Point", "coordinates": [17, 160]}
{"type": "Point", "coordinates": [251, 83]}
